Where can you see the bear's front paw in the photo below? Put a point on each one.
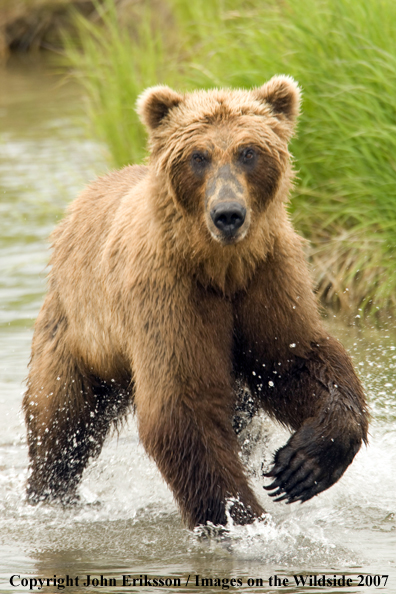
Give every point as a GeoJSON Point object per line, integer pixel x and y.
{"type": "Point", "coordinates": [310, 462]}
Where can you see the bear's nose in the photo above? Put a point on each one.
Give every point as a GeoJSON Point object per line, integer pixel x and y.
{"type": "Point", "coordinates": [228, 217]}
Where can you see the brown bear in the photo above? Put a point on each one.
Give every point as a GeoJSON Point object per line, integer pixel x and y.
{"type": "Point", "coordinates": [171, 284]}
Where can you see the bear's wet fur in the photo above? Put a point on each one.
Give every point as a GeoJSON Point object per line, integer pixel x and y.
{"type": "Point", "coordinates": [172, 283]}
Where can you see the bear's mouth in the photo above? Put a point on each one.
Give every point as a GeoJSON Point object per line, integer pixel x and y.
{"type": "Point", "coordinates": [228, 238]}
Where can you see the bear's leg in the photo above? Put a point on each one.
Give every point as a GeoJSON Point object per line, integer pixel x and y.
{"type": "Point", "coordinates": [185, 401]}
{"type": "Point", "coordinates": [304, 378]}
{"type": "Point", "coordinates": [196, 451]}
{"type": "Point", "coordinates": [331, 423]}
{"type": "Point", "coordinates": [68, 414]}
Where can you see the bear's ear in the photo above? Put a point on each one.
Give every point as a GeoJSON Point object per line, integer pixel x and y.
{"type": "Point", "coordinates": [283, 95]}
{"type": "Point", "coordinates": [155, 103]}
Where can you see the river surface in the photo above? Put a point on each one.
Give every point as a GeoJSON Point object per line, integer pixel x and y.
{"type": "Point", "coordinates": [127, 523]}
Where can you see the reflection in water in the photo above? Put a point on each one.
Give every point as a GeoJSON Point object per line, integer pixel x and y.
{"type": "Point", "coordinates": [127, 522]}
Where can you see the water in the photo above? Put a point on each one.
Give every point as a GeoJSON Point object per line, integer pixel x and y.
{"type": "Point", "coordinates": [127, 522]}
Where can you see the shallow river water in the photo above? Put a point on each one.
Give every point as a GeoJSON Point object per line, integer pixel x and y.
{"type": "Point", "coordinates": [127, 523]}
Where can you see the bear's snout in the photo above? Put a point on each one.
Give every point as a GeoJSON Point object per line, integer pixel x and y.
{"type": "Point", "coordinates": [228, 217]}
{"type": "Point", "coordinates": [227, 211]}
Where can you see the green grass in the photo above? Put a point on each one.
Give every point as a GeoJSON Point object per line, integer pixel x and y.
{"type": "Point", "coordinates": [342, 52]}
{"type": "Point", "coordinates": [114, 66]}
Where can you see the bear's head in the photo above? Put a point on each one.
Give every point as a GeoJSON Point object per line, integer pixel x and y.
{"type": "Point", "coordinates": [222, 156]}
{"type": "Point", "coordinates": [224, 152]}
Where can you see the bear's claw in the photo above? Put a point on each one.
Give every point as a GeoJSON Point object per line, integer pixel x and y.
{"type": "Point", "coordinates": [306, 466]}
{"type": "Point", "coordinates": [301, 484]}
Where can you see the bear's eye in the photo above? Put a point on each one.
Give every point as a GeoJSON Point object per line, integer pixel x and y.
{"type": "Point", "coordinates": [199, 162]}
{"type": "Point", "coordinates": [198, 158]}
{"type": "Point", "coordinates": [248, 155]}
